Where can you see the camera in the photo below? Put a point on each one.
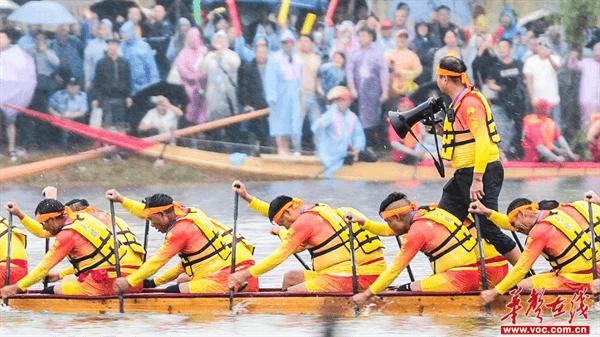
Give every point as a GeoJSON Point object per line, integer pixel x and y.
{"type": "Point", "coordinates": [426, 112]}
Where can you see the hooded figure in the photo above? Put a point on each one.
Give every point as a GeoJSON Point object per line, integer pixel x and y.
{"type": "Point", "coordinates": [140, 57]}
{"type": "Point", "coordinates": [193, 81]}
{"type": "Point", "coordinates": [95, 50]}
{"type": "Point", "coordinates": [508, 25]}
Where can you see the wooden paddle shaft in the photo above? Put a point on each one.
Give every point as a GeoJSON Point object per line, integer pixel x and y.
{"type": "Point", "coordinates": [408, 268]}
{"type": "Point", "coordinates": [46, 249]}
{"type": "Point", "coordinates": [116, 248]}
{"type": "Point", "coordinates": [146, 232]}
{"type": "Point", "coordinates": [593, 234]}
{"type": "Point", "coordinates": [8, 251]}
{"type": "Point", "coordinates": [236, 199]}
{"type": "Point", "coordinates": [353, 260]}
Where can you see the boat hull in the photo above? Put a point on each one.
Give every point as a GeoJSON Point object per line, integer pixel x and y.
{"type": "Point", "coordinates": [270, 302]}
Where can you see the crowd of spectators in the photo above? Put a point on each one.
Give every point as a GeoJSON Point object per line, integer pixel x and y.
{"type": "Point", "coordinates": [93, 72]}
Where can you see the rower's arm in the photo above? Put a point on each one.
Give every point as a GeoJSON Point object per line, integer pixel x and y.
{"type": "Point", "coordinates": [173, 244]}
{"type": "Point", "coordinates": [169, 275]}
{"type": "Point", "coordinates": [501, 220]}
{"type": "Point", "coordinates": [134, 207]}
{"type": "Point", "coordinates": [378, 228]}
{"type": "Point", "coordinates": [533, 248]}
{"type": "Point", "coordinates": [259, 206]}
{"type": "Point", "coordinates": [413, 243]}
{"type": "Point", "coordinates": [62, 246]}
{"type": "Point", "coordinates": [294, 239]}
{"type": "Point", "coordinates": [70, 270]}
{"type": "Point", "coordinates": [35, 227]}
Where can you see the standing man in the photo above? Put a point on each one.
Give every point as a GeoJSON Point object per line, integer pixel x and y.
{"type": "Point", "coordinates": [470, 142]}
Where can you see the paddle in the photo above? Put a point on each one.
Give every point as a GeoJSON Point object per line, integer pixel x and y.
{"type": "Point", "coordinates": [484, 280]}
{"type": "Point", "coordinates": [593, 234]}
{"type": "Point", "coordinates": [117, 258]}
{"type": "Point", "coordinates": [408, 269]}
{"type": "Point", "coordinates": [46, 249]}
{"type": "Point", "coordinates": [236, 199]}
{"type": "Point", "coordinates": [146, 230]}
{"type": "Point", "coordinates": [8, 251]}
{"type": "Point", "coordinates": [353, 262]}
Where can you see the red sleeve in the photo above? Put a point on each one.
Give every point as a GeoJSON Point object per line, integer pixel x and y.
{"type": "Point", "coordinates": [304, 228]}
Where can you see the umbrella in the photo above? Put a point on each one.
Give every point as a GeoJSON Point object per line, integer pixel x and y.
{"type": "Point", "coordinates": [17, 78]}
{"type": "Point", "coordinates": [7, 6]}
{"type": "Point", "coordinates": [535, 15]}
{"type": "Point", "coordinates": [141, 101]}
{"type": "Point", "coordinates": [112, 8]}
{"type": "Point", "coordinates": [43, 13]}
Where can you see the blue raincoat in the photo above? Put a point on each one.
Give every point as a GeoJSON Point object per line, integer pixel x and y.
{"type": "Point", "coordinates": [140, 56]}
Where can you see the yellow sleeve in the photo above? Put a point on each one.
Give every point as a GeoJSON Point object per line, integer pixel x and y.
{"type": "Point", "coordinates": [35, 227]}
{"type": "Point", "coordinates": [378, 228]}
{"type": "Point", "coordinates": [501, 220]}
{"type": "Point", "coordinates": [259, 206]}
{"type": "Point", "coordinates": [169, 275]}
{"type": "Point", "coordinates": [482, 139]}
{"type": "Point", "coordinates": [150, 267]}
{"type": "Point", "coordinates": [41, 270]}
{"type": "Point", "coordinates": [400, 262]}
{"type": "Point", "coordinates": [283, 251]}
{"type": "Point", "coordinates": [70, 270]}
{"type": "Point", "coordinates": [134, 207]}
{"type": "Point", "coordinates": [524, 264]}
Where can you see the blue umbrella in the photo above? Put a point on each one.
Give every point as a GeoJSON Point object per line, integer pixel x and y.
{"type": "Point", "coordinates": [42, 13]}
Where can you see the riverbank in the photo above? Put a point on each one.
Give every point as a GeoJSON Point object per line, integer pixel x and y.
{"type": "Point", "coordinates": [127, 171]}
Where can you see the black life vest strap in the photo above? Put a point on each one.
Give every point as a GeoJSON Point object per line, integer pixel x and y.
{"type": "Point", "coordinates": [94, 253]}
{"type": "Point", "coordinates": [328, 240]}
{"type": "Point", "coordinates": [188, 263]}
{"type": "Point", "coordinates": [208, 244]}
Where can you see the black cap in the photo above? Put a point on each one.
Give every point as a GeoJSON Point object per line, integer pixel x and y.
{"type": "Point", "coordinates": [72, 81]}
{"type": "Point", "coordinates": [277, 204]}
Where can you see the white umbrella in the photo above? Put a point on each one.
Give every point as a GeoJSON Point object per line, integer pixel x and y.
{"type": "Point", "coordinates": [7, 5]}
{"type": "Point", "coordinates": [43, 13]}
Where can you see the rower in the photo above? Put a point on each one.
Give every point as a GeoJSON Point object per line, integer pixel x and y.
{"type": "Point", "coordinates": [446, 242]}
{"type": "Point", "coordinates": [127, 239]}
{"type": "Point", "coordinates": [555, 235]}
{"type": "Point", "coordinates": [18, 255]}
{"type": "Point", "coordinates": [202, 243]}
{"type": "Point", "coordinates": [85, 241]}
{"type": "Point", "coordinates": [321, 230]}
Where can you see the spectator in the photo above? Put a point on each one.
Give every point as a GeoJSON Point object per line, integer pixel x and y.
{"type": "Point", "coordinates": [95, 51]}
{"type": "Point", "coordinates": [134, 15]}
{"type": "Point", "coordinates": [333, 73]}
{"type": "Point", "coordinates": [402, 21]}
{"type": "Point", "coordinates": [542, 140]}
{"type": "Point", "coordinates": [251, 79]}
{"type": "Point", "coordinates": [283, 80]}
{"type": "Point", "coordinates": [408, 150]}
{"type": "Point", "coordinates": [221, 66]}
{"type": "Point", "coordinates": [507, 80]}
{"type": "Point", "coordinates": [405, 66]}
{"type": "Point", "coordinates": [322, 41]}
{"type": "Point", "coordinates": [27, 42]}
{"type": "Point", "coordinates": [519, 46]}
{"type": "Point", "coordinates": [368, 80]}
{"type": "Point", "coordinates": [593, 137]}
{"type": "Point", "coordinates": [69, 51]}
{"type": "Point", "coordinates": [266, 27]}
{"type": "Point", "coordinates": [508, 25]}
{"type": "Point", "coordinates": [88, 26]}
{"type": "Point", "coordinates": [159, 34]}
{"type": "Point", "coordinates": [589, 86]}
{"type": "Point", "coordinates": [112, 86]}
{"type": "Point", "coordinates": [246, 52]}
{"type": "Point", "coordinates": [216, 21]}
{"type": "Point", "coordinates": [450, 48]}
{"type": "Point", "coordinates": [338, 134]}
{"type": "Point", "coordinates": [425, 48]}
{"type": "Point", "coordinates": [345, 40]}
{"type": "Point", "coordinates": [161, 119]}
{"type": "Point", "coordinates": [70, 104]}
{"type": "Point", "coordinates": [140, 57]}
{"type": "Point", "coordinates": [9, 54]}
{"type": "Point", "coordinates": [386, 38]}
{"type": "Point", "coordinates": [541, 78]}
{"type": "Point", "coordinates": [177, 41]}
{"type": "Point", "coordinates": [193, 80]}
{"type": "Point", "coordinates": [483, 63]}
{"type": "Point", "coordinates": [46, 64]}
{"type": "Point", "coordinates": [442, 25]}
{"type": "Point", "coordinates": [311, 86]}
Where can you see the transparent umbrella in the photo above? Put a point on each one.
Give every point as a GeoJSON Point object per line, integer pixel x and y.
{"type": "Point", "coordinates": [42, 13]}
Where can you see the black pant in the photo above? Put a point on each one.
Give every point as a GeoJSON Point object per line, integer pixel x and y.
{"type": "Point", "coordinates": [456, 199]}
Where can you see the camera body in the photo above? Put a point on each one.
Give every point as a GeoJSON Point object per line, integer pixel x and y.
{"type": "Point", "coordinates": [425, 112]}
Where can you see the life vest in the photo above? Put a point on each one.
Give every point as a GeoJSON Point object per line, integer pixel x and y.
{"type": "Point", "coordinates": [459, 237]}
{"type": "Point", "coordinates": [100, 237]}
{"type": "Point", "coordinates": [15, 232]}
{"type": "Point", "coordinates": [226, 235]}
{"type": "Point", "coordinates": [125, 236]}
{"type": "Point", "coordinates": [216, 245]}
{"type": "Point", "coordinates": [583, 208]}
{"type": "Point", "coordinates": [364, 240]}
{"type": "Point", "coordinates": [579, 246]}
{"type": "Point", "coordinates": [449, 143]}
